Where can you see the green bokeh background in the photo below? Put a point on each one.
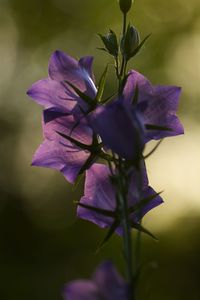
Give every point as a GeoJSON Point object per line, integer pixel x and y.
{"type": "Point", "coordinates": [42, 244]}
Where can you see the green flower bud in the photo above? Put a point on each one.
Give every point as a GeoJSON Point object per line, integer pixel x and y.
{"type": "Point", "coordinates": [110, 43]}
{"type": "Point", "coordinates": [130, 42]}
{"type": "Point", "coordinates": [125, 5]}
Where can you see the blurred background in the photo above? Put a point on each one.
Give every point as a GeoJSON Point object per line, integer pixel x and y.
{"type": "Point", "coordinates": [42, 244]}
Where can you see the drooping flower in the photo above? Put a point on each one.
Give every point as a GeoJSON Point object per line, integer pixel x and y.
{"type": "Point", "coordinates": [99, 204]}
{"type": "Point", "coordinates": [142, 113]}
{"type": "Point", "coordinates": [105, 284]}
{"type": "Point", "coordinates": [60, 153]}
{"type": "Point", "coordinates": [55, 92]}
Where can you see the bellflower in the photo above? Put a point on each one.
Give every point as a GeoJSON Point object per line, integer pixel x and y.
{"type": "Point", "coordinates": [59, 153]}
{"type": "Point", "coordinates": [55, 92]}
{"type": "Point", "coordinates": [120, 128]}
{"type": "Point", "coordinates": [156, 104]}
{"type": "Point", "coordinates": [105, 284]}
{"type": "Point", "coordinates": [100, 193]}
{"type": "Point", "coordinates": [142, 113]}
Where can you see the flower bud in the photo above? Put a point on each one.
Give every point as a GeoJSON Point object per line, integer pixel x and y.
{"type": "Point", "coordinates": [110, 43]}
{"type": "Point", "coordinates": [130, 42]}
{"type": "Point", "coordinates": [125, 5]}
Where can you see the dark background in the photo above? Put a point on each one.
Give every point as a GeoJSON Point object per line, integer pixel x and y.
{"type": "Point", "coordinates": [42, 244]}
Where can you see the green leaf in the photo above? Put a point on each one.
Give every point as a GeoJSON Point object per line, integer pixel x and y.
{"type": "Point", "coordinates": [101, 85]}
{"type": "Point", "coordinates": [157, 127]}
{"type": "Point", "coordinates": [144, 230]}
{"type": "Point", "coordinates": [86, 98]}
{"type": "Point", "coordinates": [140, 45]}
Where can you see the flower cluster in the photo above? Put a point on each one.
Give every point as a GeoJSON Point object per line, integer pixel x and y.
{"type": "Point", "coordinates": [104, 139]}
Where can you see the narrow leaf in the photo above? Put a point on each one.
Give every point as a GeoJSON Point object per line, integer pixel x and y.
{"type": "Point", "coordinates": [101, 85]}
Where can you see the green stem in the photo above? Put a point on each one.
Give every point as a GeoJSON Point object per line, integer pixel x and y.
{"type": "Point", "coordinates": [124, 63]}
{"type": "Point", "coordinates": [127, 239]}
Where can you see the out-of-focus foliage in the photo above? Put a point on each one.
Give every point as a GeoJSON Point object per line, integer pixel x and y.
{"type": "Point", "coordinates": [42, 243]}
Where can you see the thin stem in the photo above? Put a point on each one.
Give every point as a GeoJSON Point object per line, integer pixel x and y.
{"type": "Point", "coordinates": [124, 63]}
{"type": "Point", "coordinates": [127, 239]}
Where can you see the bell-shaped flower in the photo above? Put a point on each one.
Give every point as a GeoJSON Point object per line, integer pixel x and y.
{"type": "Point", "coordinates": [105, 284]}
{"type": "Point", "coordinates": [66, 146]}
{"type": "Point", "coordinates": [99, 204]}
{"type": "Point", "coordinates": [157, 106]}
{"type": "Point", "coordinates": [120, 129]}
{"type": "Point", "coordinates": [55, 92]}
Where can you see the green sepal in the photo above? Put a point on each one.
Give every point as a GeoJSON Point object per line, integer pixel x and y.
{"type": "Point", "coordinates": [101, 211]}
{"type": "Point", "coordinates": [144, 230]}
{"type": "Point", "coordinates": [75, 142]}
{"type": "Point", "coordinates": [102, 83]}
{"type": "Point", "coordinates": [157, 127]}
{"type": "Point", "coordinates": [108, 99]}
{"type": "Point", "coordinates": [110, 42]}
{"type": "Point", "coordinates": [136, 95]}
{"type": "Point", "coordinates": [130, 42]}
{"type": "Point", "coordinates": [86, 98]}
{"type": "Point", "coordinates": [109, 234]}
{"type": "Point", "coordinates": [140, 45]}
{"type": "Point", "coordinates": [87, 164]}
{"type": "Point", "coordinates": [143, 202]}
{"type": "Point", "coordinates": [153, 150]}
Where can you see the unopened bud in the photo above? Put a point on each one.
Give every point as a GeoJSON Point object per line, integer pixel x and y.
{"type": "Point", "coordinates": [125, 5]}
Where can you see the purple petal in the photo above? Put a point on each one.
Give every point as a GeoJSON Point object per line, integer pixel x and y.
{"type": "Point", "coordinates": [119, 128]}
{"type": "Point", "coordinates": [139, 189]}
{"type": "Point", "coordinates": [110, 283]}
{"type": "Point", "coordinates": [63, 67]}
{"type": "Point", "coordinates": [50, 93]}
{"type": "Point", "coordinates": [54, 122]}
{"type": "Point", "coordinates": [81, 290]}
{"type": "Point", "coordinates": [86, 63]}
{"type": "Point", "coordinates": [99, 193]}
{"type": "Point", "coordinates": [62, 157]}
{"type": "Point", "coordinates": [135, 79]}
{"type": "Point", "coordinates": [157, 105]}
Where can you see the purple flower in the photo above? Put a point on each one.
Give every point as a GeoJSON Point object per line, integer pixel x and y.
{"type": "Point", "coordinates": [105, 284]}
{"type": "Point", "coordinates": [100, 194]}
{"type": "Point", "coordinates": [156, 104]}
{"type": "Point", "coordinates": [55, 92]}
{"type": "Point", "coordinates": [59, 153]}
{"type": "Point", "coordinates": [120, 129]}
{"type": "Point", "coordinates": [143, 112]}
